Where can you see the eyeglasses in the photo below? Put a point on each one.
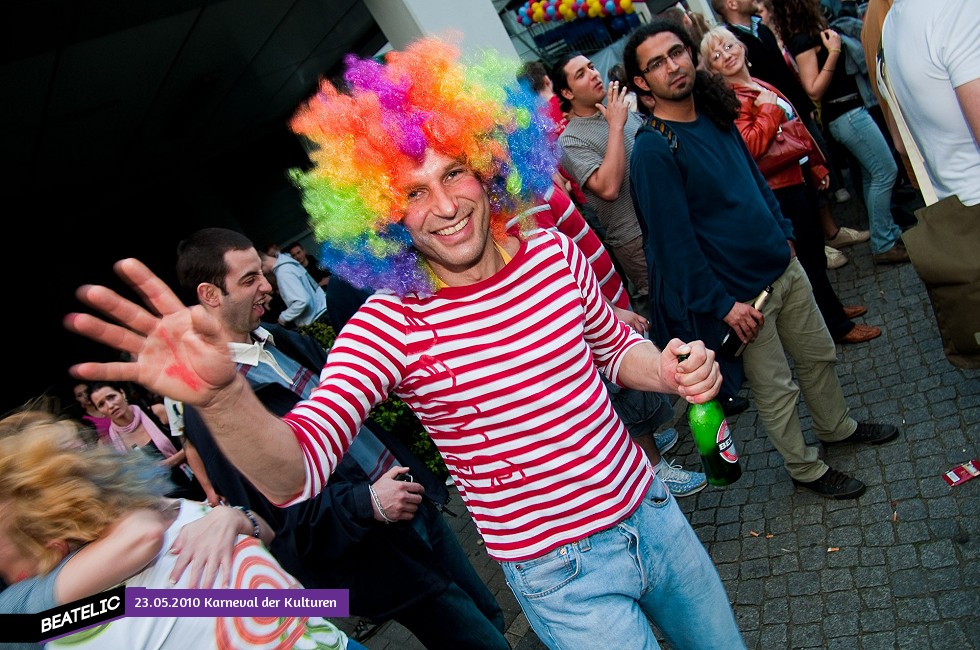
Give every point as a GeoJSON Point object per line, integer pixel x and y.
{"type": "Point", "coordinates": [727, 47]}
{"type": "Point", "coordinates": [657, 65]}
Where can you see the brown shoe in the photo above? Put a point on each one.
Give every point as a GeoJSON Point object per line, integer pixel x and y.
{"type": "Point", "coordinates": [860, 333]}
{"type": "Point", "coordinates": [854, 311]}
{"type": "Point", "coordinates": [894, 255]}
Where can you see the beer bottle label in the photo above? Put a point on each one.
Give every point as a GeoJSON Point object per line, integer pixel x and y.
{"type": "Point", "coordinates": [726, 445]}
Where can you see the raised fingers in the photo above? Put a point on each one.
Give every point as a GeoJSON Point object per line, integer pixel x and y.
{"type": "Point", "coordinates": [118, 308]}
{"type": "Point", "coordinates": [148, 285]}
{"type": "Point", "coordinates": [115, 336]}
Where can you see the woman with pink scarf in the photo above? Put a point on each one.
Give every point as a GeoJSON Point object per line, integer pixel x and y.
{"type": "Point", "coordinates": [131, 428]}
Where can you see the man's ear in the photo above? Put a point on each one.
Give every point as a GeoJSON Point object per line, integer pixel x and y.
{"type": "Point", "coordinates": [567, 94]}
{"type": "Point", "coordinates": [641, 83]}
{"type": "Point", "coordinates": [208, 294]}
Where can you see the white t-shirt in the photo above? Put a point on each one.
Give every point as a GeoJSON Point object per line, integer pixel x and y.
{"type": "Point", "coordinates": [931, 47]}
{"type": "Point", "coordinates": [253, 567]}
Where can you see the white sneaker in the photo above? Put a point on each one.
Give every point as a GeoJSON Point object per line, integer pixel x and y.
{"type": "Point", "coordinates": [835, 258]}
{"type": "Point", "coordinates": [848, 237]}
{"type": "Point", "coordinates": [842, 195]}
{"type": "Point", "coordinates": [678, 480]}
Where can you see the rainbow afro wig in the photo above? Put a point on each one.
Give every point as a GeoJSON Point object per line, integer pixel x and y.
{"type": "Point", "coordinates": [365, 139]}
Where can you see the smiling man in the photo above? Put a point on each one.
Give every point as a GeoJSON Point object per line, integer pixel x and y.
{"type": "Point", "coordinates": [495, 342]}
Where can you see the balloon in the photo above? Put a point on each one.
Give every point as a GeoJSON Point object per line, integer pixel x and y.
{"type": "Point", "coordinates": [610, 6]}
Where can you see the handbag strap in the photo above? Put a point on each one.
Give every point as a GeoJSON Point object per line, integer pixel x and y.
{"type": "Point", "coordinates": [911, 148]}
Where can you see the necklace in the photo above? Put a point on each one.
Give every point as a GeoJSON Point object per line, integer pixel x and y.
{"type": "Point", "coordinates": [585, 116]}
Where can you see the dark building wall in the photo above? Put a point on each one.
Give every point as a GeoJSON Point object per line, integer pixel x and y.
{"type": "Point", "coordinates": [72, 236]}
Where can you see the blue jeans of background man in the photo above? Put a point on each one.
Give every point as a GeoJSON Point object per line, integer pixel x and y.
{"type": "Point", "coordinates": [857, 131]}
{"type": "Point", "coordinates": [603, 591]}
{"type": "Point", "coordinates": [465, 614]}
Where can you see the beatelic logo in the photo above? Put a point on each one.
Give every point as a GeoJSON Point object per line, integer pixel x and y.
{"type": "Point", "coordinates": [66, 619]}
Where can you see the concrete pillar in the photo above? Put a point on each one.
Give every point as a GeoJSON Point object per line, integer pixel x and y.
{"type": "Point", "coordinates": [477, 21]}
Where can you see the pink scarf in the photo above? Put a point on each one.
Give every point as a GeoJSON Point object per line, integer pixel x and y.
{"type": "Point", "coordinates": [161, 441]}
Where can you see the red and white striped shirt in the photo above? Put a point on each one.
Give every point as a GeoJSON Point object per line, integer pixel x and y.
{"type": "Point", "coordinates": [558, 212]}
{"type": "Point", "coordinates": [503, 375]}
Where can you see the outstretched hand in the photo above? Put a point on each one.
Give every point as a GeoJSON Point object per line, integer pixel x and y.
{"type": "Point", "coordinates": [176, 350]}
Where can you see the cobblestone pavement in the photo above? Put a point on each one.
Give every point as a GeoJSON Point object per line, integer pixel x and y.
{"type": "Point", "coordinates": [897, 568]}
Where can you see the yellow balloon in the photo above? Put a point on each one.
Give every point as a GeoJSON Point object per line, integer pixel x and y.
{"type": "Point", "coordinates": [626, 5]}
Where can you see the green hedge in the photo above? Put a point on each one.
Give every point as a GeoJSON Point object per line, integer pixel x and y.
{"type": "Point", "coordinates": [392, 414]}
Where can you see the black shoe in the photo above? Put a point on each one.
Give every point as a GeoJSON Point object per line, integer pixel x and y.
{"type": "Point", "coordinates": [834, 484]}
{"type": "Point", "coordinates": [364, 630]}
{"type": "Point", "coordinates": [868, 433]}
{"type": "Point", "coordinates": [734, 405]}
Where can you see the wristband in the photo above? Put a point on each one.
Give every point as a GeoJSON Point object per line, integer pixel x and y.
{"type": "Point", "coordinates": [255, 522]}
{"type": "Point", "coordinates": [834, 49]}
{"type": "Point", "coordinates": [377, 502]}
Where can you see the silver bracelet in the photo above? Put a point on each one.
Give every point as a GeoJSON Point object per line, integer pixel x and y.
{"type": "Point", "coordinates": [377, 502]}
{"type": "Point", "coordinates": [255, 522]}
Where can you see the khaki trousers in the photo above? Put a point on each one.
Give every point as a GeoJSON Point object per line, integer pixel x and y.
{"type": "Point", "coordinates": [793, 325]}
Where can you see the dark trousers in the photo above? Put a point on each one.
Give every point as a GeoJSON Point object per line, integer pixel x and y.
{"type": "Point", "coordinates": [798, 203]}
{"type": "Point", "coordinates": [465, 614]}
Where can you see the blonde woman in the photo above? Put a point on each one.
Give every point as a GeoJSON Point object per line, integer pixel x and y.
{"type": "Point", "coordinates": [74, 522]}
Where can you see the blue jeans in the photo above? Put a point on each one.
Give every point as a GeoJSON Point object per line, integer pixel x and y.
{"type": "Point", "coordinates": [605, 589]}
{"type": "Point", "coordinates": [465, 614]}
{"type": "Point", "coordinates": [857, 131]}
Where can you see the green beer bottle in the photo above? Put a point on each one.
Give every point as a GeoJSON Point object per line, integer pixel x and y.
{"type": "Point", "coordinates": [714, 441]}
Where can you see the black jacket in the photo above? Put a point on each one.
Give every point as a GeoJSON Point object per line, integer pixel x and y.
{"type": "Point", "coordinates": [332, 541]}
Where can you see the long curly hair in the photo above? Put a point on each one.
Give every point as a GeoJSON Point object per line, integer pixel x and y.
{"type": "Point", "coordinates": [366, 138]}
{"type": "Point", "coordinates": [50, 490]}
{"type": "Point", "coordinates": [794, 17]}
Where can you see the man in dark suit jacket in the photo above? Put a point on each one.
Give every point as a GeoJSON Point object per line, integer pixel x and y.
{"type": "Point", "coordinates": [382, 538]}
